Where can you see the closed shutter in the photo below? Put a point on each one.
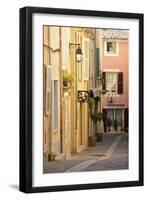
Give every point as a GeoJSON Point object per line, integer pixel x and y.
{"type": "Point", "coordinates": [85, 63]}
{"type": "Point", "coordinates": [48, 90]}
{"type": "Point", "coordinates": [126, 119]}
{"type": "Point", "coordinates": [105, 119]}
{"type": "Point", "coordinates": [55, 97]}
{"type": "Point", "coordinates": [97, 64]}
{"type": "Point", "coordinates": [120, 83]}
{"type": "Point", "coordinates": [104, 81]}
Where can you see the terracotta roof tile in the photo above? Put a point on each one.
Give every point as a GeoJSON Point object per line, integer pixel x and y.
{"type": "Point", "coordinates": [115, 34]}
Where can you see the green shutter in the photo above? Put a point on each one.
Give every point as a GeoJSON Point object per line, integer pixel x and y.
{"type": "Point", "coordinates": [97, 63]}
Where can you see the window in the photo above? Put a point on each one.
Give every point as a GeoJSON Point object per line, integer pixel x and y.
{"type": "Point", "coordinates": [111, 82]}
{"type": "Point", "coordinates": [115, 115]}
{"type": "Point", "coordinates": [111, 48]}
{"type": "Point", "coordinates": [55, 104]}
{"type": "Point", "coordinates": [115, 119]}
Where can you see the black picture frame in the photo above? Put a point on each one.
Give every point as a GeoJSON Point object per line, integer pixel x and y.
{"type": "Point", "coordinates": [26, 99]}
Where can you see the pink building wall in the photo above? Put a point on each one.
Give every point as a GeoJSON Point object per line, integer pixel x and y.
{"type": "Point", "coordinates": [117, 62]}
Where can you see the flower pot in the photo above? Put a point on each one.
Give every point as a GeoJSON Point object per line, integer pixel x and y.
{"type": "Point", "coordinates": [92, 141]}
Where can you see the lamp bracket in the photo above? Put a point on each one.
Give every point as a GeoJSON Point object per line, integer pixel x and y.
{"type": "Point", "coordinates": [74, 44]}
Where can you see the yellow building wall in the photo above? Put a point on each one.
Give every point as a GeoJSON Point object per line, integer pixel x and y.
{"type": "Point", "coordinates": [66, 94]}
{"type": "Point", "coordinates": [79, 110]}
{"type": "Point", "coordinates": [55, 64]}
{"type": "Point", "coordinates": [46, 62]}
{"type": "Point", "coordinates": [72, 115]}
{"type": "Point", "coordinates": [73, 94]}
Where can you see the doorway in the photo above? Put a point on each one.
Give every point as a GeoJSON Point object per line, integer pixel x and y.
{"type": "Point", "coordinates": [115, 120]}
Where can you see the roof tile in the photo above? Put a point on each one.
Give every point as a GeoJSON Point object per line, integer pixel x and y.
{"type": "Point", "coordinates": [115, 34]}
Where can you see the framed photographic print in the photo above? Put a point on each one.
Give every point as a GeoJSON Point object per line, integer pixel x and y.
{"type": "Point", "coordinates": [81, 99]}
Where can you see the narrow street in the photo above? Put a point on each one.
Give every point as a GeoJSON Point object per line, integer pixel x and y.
{"type": "Point", "coordinates": [111, 154]}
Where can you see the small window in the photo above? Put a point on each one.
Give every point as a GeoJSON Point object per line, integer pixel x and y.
{"type": "Point", "coordinates": [111, 48]}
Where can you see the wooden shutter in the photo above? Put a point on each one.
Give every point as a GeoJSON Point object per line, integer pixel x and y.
{"type": "Point", "coordinates": [104, 81]}
{"type": "Point", "coordinates": [105, 119]}
{"type": "Point", "coordinates": [126, 119]}
{"type": "Point", "coordinates": [85, 62]}
{"type": "Point", "coordinates": [97, 63]}
{"type": "Point", "coordinates": [120, 83]}
{"type": "Point", "coordinates": [55, 97]}
{"type": "Point", "coordinates": [48, 90]}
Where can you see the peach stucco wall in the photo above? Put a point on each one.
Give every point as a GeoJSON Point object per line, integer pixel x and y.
{"type": "Point", "coordinates": [120, 63]}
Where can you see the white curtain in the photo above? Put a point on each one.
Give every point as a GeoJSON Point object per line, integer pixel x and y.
{"type": "Point", "coordinates": [111, 81]}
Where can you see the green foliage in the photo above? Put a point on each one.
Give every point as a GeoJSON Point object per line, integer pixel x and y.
{"type": "Point", "coordinates": [91, 104]}
{"type": "Point", "coordinates": [96, 99]}
{"type": "Point", "coordinates": [96, 116]}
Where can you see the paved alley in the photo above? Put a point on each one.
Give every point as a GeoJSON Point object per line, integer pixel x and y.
{"type": "Point", "coordinates": [111, 154]}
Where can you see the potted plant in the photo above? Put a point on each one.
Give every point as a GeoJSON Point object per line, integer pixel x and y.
{"type": "Point", "coordinates": [115, 125]}
{"type": "Point", "coordinates": [120, 125]}
{"type": "Point", "coordinates": [67, 78]}
{"type": "Point", "coordinates": [98, 117]}
{"type": "Point", "coordinates": [109, 124]}
{"type": "Point", "coordinates": [95, 117]}
{"type": "Point", "coordinates": [91, 105]}
{"type": "Point", "coordinates": [51, 156]}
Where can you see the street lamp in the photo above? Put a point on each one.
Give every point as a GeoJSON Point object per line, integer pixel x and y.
{"type": "Point", "coordinates": [78, 52]}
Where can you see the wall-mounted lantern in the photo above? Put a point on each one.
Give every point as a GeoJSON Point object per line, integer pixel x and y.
{"type": "Point", "coordinates": [79, 53]}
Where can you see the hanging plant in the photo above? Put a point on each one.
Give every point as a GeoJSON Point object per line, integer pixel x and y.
{"type": "Point", "coordinates": [67, 78]}
{"type": "Point", "coordinates": [91, 104]}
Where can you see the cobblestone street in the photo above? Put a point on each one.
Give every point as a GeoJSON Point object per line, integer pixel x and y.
{"type": "Point", "coordinates": [111, 154]}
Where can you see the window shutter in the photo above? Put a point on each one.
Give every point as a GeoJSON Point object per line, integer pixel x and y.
{"type": "Point", "coordinates": [55, 97]}
{"type": "Point", "coordinates": [126, 119]}
{"type": "Point", "coordinates": [85, 62]}
{"type": "Point", "coordinates": [120, 83]}
{"type": "Point", "coordinates": [48, 90]}
{"type": "Point", "coordinates": [97, 63]}
{"type": "Point", "coordinates": [104, 81]}
{"type": "Point", "coordinates": [105, 119]}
